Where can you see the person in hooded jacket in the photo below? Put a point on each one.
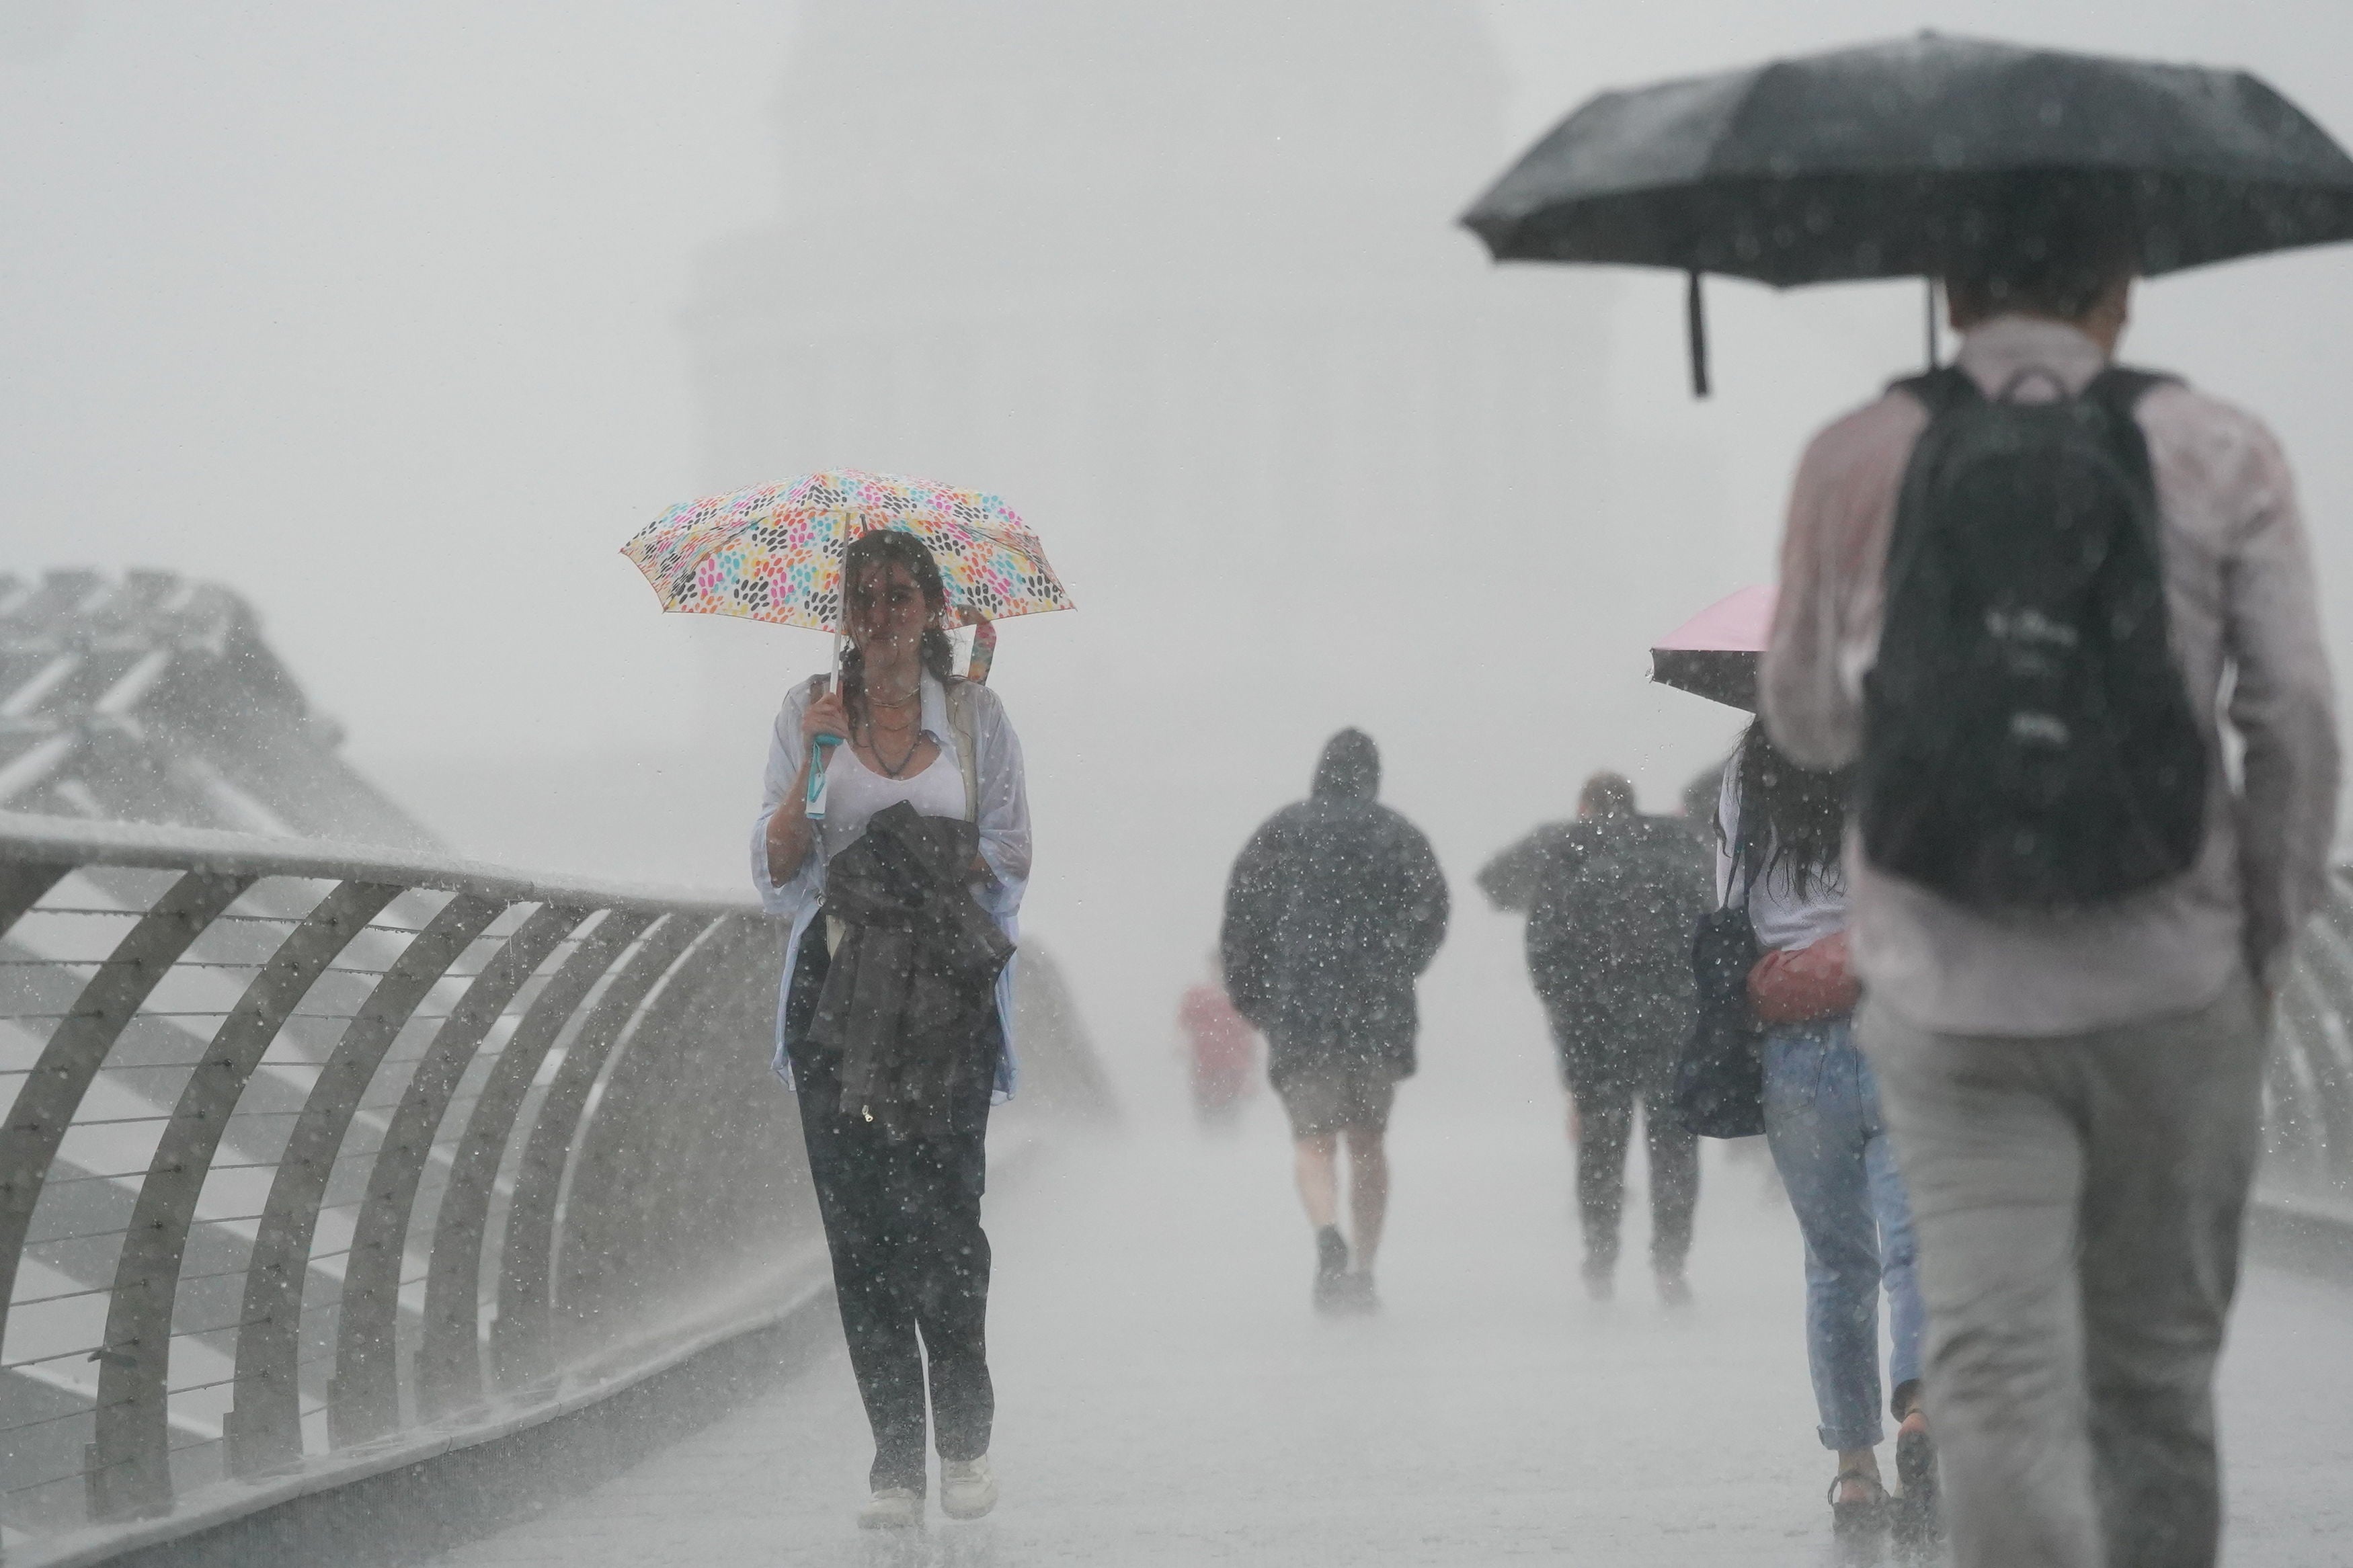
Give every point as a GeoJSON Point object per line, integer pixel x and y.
{"type": "Point", "coordinates": [1335, 908]}
{"type": "Point", "coordinates": [1611, 899]}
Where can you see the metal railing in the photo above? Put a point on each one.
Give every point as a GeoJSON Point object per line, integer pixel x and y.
{"type": "Point", "coordinates": [2308, 1085]}
{"type": "Point", "coordinates": [312, 1147]}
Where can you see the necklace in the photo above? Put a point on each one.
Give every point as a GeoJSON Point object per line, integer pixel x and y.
{"type": "Point", "coordinates": [910, 695]}
{"type": "Point", "coordinates": [873, 744]}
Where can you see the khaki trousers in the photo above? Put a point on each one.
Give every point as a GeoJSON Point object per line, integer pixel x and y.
{"type": "Point", "coordinates": [2078, 1201]}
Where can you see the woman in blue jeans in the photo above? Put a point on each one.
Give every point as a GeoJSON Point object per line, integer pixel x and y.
{"type": "Point", "coordinates": [1822, 1123]}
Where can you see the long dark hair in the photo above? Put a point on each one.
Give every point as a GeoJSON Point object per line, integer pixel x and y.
{"type": "Point", "coordinates": [1792, 818]}
{"type": "Point", "coordinates": [879, 551]}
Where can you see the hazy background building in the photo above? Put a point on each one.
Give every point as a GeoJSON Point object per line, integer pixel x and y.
{"type": "Point", "coordinates": [1181, 283]}
{"type": "Point", "coordinates": [397, 321]}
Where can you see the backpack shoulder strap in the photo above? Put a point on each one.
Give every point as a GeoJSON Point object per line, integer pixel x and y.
{"type": "Point", "coordinates": [966, 726]}
{"type": "Point", "coordinates": [2121, 387]}
{"type": "Point", "coordinates": [2117, 391]}
{"type": "Point", "coordinates": [1939, 390]}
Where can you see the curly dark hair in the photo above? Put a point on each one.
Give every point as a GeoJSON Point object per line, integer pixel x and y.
{"type": "Point", "coordinates": [878, 551]}
{"type": "Point", "coordinates": [1799, 818]}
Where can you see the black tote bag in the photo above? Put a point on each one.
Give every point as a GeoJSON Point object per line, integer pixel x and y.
{"type": "Point", "coordinates": [1720, 1081]}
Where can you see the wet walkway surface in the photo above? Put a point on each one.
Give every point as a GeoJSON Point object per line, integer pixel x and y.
{"type": "Point", "coordinates": [1165, 1396]}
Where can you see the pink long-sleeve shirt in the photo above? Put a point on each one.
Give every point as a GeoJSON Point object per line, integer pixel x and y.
{"type": "Point", "coordinates": [2246, 633]}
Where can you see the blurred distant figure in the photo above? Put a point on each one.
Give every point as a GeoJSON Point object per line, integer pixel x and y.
{"type": "Point", "coordinates": [1611, 899]}
{"type": "Point", "coordinates": [1220, 1051]}
{"type": "Point", "coordinates": [1336, 906]}
{"type": "Point", "coordinates": [1699, 801]}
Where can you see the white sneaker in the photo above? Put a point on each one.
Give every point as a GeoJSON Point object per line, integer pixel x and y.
{"type": "Point", "coordinates": [891, 1508]}
{"type": "Point", "coordinates": [968, 1488]}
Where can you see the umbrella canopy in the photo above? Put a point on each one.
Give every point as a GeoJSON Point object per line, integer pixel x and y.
{"type": "Point", "coordinates": [773, 552]}
{"type": "Point", "coordinates": [1903, 158]}
{"type": "Point", "coordinates": [1715, 653]}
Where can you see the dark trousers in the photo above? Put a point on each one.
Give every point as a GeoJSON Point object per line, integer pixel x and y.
{"type": "Point", "coordinates": [1618, 1041]}
{"type": "Point", "coordinates": [910, 1259]}
{"type": "Point", "coordinates": [1606, 1118]}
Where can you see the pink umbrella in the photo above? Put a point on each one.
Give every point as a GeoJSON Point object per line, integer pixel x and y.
{"type": "Point", "coordinates": [1714, 654]}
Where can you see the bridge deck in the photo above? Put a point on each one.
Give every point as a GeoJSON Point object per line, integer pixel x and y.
{"type": "Point", "coordinates": [1165, 1397]}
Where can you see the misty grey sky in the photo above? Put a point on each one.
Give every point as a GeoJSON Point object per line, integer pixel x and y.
{"type": "Point", "coordinates": [372, 312]}
{"type": "Point", "coordinates": [375, 314]}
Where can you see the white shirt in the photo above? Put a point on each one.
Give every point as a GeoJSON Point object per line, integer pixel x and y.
{"type": "Point", "coordinates": [855, 793]}
{"type": "Point", "coordinates": [1784, 918]}
{"type": "Point", "coordinates": [1003, 820]}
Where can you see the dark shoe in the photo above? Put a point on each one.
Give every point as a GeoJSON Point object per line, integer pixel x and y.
{"type": "Point", "coordinates": [1357, 1295]}
{"type": "Point", "coordinates": [1859, 1519]}
{"type": "Point", "coordinates": [1674, 1289]}
{"type": "Point", "coordinates": [1917, 1526]}
{"type": "Point", "coordinates": [1600, 1277]}
{"type": "Point", "coordinates": [1331, 1269]}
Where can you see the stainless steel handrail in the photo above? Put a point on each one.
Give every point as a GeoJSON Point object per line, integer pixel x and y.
{"type": "Point", "coordinates": [74, 841]}
{"type": "Point", "coordinates": [521, 1131]}
{"type": "Point", "coordinates": [310, 1148]}
{"type": "Point", "coordinates": [2308, 1088]}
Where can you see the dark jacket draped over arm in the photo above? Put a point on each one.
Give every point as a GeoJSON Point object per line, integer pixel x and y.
{"type": "Point", "coordinates": [906, 998]}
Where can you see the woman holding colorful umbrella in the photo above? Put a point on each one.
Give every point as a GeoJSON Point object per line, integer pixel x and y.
{"type": "Point", "coordinates": [894, 834]}
{"type": "Point", "coordinates": [901, 1205]}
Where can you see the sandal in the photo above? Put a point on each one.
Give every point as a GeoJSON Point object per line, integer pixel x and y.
{"type": "Point", "coordinates": [1866, 1516]}
{"type": "Point", "coordinates": [1916, 1523]}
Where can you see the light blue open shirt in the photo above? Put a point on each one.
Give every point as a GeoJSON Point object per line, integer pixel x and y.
{"type": "Point", "coordinates": [1004, 823]}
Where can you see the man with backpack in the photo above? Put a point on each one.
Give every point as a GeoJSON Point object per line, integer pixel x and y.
{"type": "Point", "coordinates": [1611, 899]}
{"type": "Point", "coordinates": [2020, 596]}
{"type": "Point", "coordinates": [1335, 908]}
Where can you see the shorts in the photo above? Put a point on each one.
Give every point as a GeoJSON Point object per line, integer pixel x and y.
{"type": "Point", "coordinates": [1324, 1101]}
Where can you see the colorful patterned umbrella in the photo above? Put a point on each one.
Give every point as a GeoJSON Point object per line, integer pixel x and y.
{"type": "Point", "coordinates": [773, 552]}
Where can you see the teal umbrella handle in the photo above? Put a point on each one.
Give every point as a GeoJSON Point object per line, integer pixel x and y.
{"type": "Point", "coordinates": [813, 807]}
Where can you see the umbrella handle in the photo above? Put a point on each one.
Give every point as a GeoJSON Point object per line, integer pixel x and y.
{"type": "Point", "coordinates": [820, 753]}
{"type": "Point", "coordinates": [821, 749]}
{"type": "Point", "coordinates": [1696, 327]}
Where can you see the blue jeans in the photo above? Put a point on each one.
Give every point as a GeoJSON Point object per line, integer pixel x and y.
{"type": "Point", "coordinates": [1822, 1121]}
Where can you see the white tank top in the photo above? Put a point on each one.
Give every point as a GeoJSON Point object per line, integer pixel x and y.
{"type": "Point", "coordinates": [854, 793]}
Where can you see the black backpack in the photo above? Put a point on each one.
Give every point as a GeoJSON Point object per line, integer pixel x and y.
{"type": "Point", "coordinates": [2029, 741]}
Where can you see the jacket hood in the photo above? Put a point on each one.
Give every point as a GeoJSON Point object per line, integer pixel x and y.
{"type": "Point", "coordinates": [1350, 768]}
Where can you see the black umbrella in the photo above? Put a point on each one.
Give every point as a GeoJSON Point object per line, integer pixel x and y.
{"type": "Point", "coordinates": [1920, 157]}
